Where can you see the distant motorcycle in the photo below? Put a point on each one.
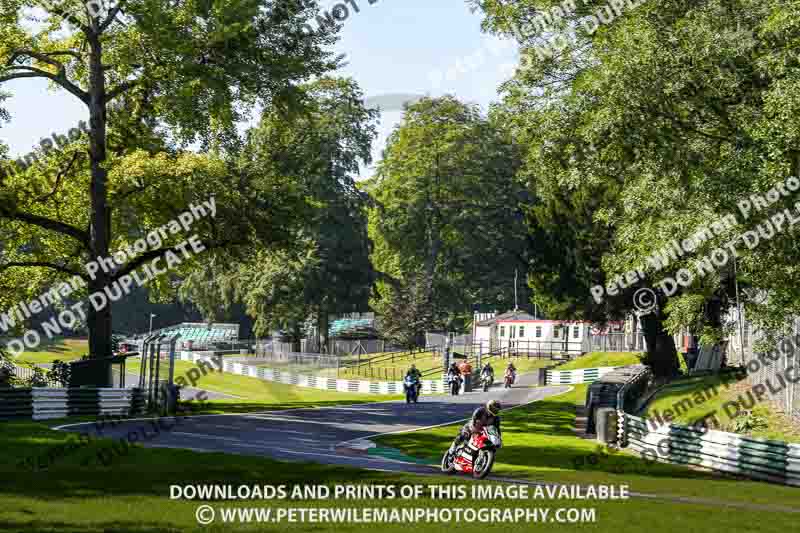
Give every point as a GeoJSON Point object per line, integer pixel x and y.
{"type": "Point", "coordinates": [475, 456]}
{"type": "Point", "coordinates": [454, 381]}
{"type": "Point", "coordinates": [411, 385]}
{"type": "Point", "coordinates": [487, 380]}
{"type": "Point", "coordinates": [510, 378]}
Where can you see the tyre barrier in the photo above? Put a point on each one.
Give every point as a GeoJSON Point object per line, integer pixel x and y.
{"type": "Point", "coordinates": [46, 403]}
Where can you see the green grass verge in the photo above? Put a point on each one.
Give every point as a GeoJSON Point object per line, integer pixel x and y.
{"type": "Point", "coordinates": [598, 359]}
{"type": "Point", "coordinates": [539, 444]}
{"type": "Point", "coordinates": [257, 394]}
{"type": "Point", "coordinates": [693, 398]}
{"type": "Point", "coordinates": [392, 367]}
{"type": "Point", "coordinates": [63, 349]}
{"type": "Point", "coordinates": [131, 494]}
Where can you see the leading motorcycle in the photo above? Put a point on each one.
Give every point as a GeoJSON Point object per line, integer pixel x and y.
{"type": "Point", "coordinates": [411, 386]}
{"type": "Point", "coordinates": [475, 456]}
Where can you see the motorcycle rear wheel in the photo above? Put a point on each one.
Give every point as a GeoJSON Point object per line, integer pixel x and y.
{"type": "Point", "coordinates": [483, 464]}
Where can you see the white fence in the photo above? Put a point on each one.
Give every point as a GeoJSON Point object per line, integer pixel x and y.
{"type": "Point", "coordinates": [317, 382]}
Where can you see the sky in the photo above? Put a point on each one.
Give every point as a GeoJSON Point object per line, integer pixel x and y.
{"type": "Point", "coordinates": [408, 47]}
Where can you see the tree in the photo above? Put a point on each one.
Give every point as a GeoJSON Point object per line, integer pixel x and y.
{"type": "Point", "coordinates": [148, 71]}
{"type": "Point", "coordinates": [447, 208]}
{"type": "Point", "coordinates": [328, 269]}
{"type": "Point", "coordinates": [407, 313]}
{"type": "Point", "coordinates": [677, 101]}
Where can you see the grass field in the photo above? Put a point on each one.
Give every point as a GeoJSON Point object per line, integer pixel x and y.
{"type": "Point", "coordinates": [63, 349]}
{"type": "Point", "coordinates": [599, 359]}
{"type": "Point", "coordinates": [711, 393]}
{"type": "Point", "coordinates": [391, 366]}
{"type": "Point", "coordinates": [539, 444]}
{"type": "Point", "coordinates": [257, 394]}
{"type": "Point", "coordinates": [130, 493]}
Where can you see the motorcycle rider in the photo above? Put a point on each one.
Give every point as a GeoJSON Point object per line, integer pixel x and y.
{"type": "Point", "coordinates": [484, 416]}
{"type": "Point", "coordinates": [453, 377]}
{"type": "Point", "coordinates": [487, 370]}
{"type": "Point", "coordinates": [511, 370]}
{"type": "Point", "coordinates": [414, 373]}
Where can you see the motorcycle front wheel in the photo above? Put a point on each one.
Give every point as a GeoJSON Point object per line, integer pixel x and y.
{"type": "Point", "coordinates": [448, 462]}
{"type": "Point", "coordinates": [483, 464]}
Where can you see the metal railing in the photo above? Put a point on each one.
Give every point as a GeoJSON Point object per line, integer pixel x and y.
{"type": "Point", "coordinates": [744, 350]}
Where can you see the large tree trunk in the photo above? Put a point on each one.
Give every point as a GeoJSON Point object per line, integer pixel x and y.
{"type": "Point", "coordinates": [661, 357]}
{"type": "Point", "coordinates": [98, 321]}
{"type": "Point", "coordinates": [322, 329]}
{"type": "Point", "coordinates": [296, 337]}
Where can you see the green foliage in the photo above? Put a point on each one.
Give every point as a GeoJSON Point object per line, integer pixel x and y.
{"type": "Point", "coordinates": [60, 371]}
{"type": "Point", "coordinates": [325, 268]}
{"type": "Point", "coordinates": [748, 422]}
{"type": "Point", "coordinates": [407, 313]}
{"type": "Point", "coordinates": [6, 370]}
{"type": "Point", "coordinates": [447, 207]}
{"type": "Point", "coordinates": [648, 130]}
{"type": "Point", "coordinates": [154, 76]}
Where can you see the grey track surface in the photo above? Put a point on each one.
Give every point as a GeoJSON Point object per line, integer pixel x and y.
{"type": "Point", "coordinates": [315, 434]}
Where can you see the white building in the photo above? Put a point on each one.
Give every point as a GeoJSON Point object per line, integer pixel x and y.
{"type": "Point", "coordinates": [521, 332]}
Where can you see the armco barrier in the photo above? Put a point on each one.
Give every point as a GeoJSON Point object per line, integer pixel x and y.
{"type": "Point", "coordinates": [578, 376]}
{"type": "Point", "coordinates": [429, 386]}
{"type": "Point", "coordinates": [760, 459]}
{"type": "Point", "coordinates": [45, 403]}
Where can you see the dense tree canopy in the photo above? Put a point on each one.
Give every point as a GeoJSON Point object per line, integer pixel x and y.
{"type": "Point", "coordinates": [447, 210]}
{"type": "Point", "coordinates": [686, 109]}
{"type": "Point", "coordinates": [154, 76]}
{"type": "Point", "coordinates": [327, 268]}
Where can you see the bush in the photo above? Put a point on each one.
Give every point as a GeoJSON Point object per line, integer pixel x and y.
{"type": "Point", "coordinates": [748, 422]}
{"type": "Point", "coordinates": [6, 370]}
{"type": "Point", "coordinates": [60, 372]}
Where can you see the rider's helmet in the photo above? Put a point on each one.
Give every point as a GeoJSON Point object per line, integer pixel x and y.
{"type": "Point", "coordinates": [413, 367]}
{"type": "Point", "coordinates": [493, 406]}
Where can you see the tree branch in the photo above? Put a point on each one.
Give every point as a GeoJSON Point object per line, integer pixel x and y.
{"type": "Point", "coordinates": [46, 223]}
{"type": "Point", "coordinates": [161, 252]}
{"type": "Point", "coordinates": [121, 88]}
{"type": "Point", "coordinates": [60, 80]}
{"type": "Point", "coordinates": [112, 15]}
{"type": "Point", "coordinates": [43, 264]}
{"type": "Point", "coordinates": [58, 179]}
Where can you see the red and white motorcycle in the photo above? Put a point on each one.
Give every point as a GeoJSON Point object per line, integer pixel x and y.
{"type": "Point", "coordinates": [475, 456]}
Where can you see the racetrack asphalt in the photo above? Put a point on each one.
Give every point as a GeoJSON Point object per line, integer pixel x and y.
{"type": "Point", "coordinates": [318, 434]}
